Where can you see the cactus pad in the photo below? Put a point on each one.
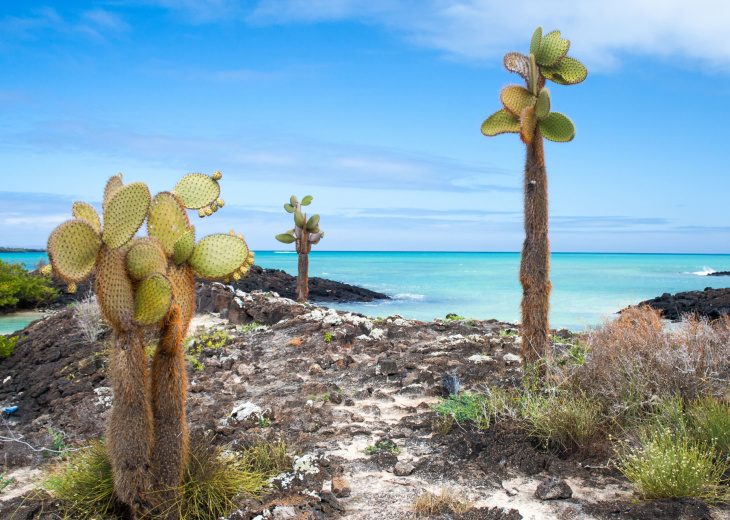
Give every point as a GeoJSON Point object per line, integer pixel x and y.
{"type": "Point", "coordinates": [197, 190]}
{"type": "Point", "coordinates": [152, 299]}
{"type": "Point", "coordinates": [72, 248]}
{"type": "Point", "coordinates": [145, 257]}
{"type": "Point", "coordinates": [515, 99]}
{"type": "Point", "coordinates": [518, 63]}
{"type": "Point", "coordinates": [168, 220]}
{"type": "Point", "coordinates": [313, 222]}
{"type": "Point", "coordinates": [293, 200]}
{"type": "Point", "coordinates": [568, 71]}
{"type": "Point", "coordinates": [306, 201]}
{"type": "Point", "coordinates": [87, 212]}
{"type": "Point", "coordinates": [552, 49]}
{"type": "Point", "coordinates": [112, 185]}
{"type": "Point", "coordinates": [557, 127]}
{"type": "Point", "coordinates": [535, 42]}
{"type": "Point", "coordinates": [289, 208]}
{"type": "Point", "coordinates": [500, 122]}
{"type": "Point", "coordinates": [286, 238]}
{"type": "Point", "coordinates": [125, 213]}
{"type": "Point", "coordinates": [183, 248]}
{"type": "Point", "coordinates": [542, 109]}
{"type": "Point", "coordinates": [299, 219]}
{"type": "Point", "coordinates": [528, 122]}
{"type": "Point", "coordinates": [114, 289]}
{"type": "Point", "coordinates": [217, 256]}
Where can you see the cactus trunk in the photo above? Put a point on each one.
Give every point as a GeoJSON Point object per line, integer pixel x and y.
{"type": "Point", "coordinates": [129, 428]}
{"type": "Point", "coordinates": [169, 386]}
{"type": "Point", "coordinates": [535, 261]}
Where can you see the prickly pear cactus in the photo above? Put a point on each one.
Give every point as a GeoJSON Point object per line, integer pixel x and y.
{"type": "Point", "coordinates": [305, 233]}
{"type": "Point", "coordinates": [547, 61]}
{"type": "Point", "coordinates": [140, 283]}
{"type": "Point", "coordinates": [527, 111]}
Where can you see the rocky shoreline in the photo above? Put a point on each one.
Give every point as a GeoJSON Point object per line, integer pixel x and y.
{"type": "Point", "coordinates": [710, 303]}
{"type": "Point", "coordinates": [334, 384]}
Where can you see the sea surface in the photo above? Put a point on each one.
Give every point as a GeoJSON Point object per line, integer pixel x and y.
{"type": "Point", "coordinates": [587, 287]}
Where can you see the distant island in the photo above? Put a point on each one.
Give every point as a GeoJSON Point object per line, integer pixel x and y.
{"type": "Point", "coordinates": [20, 250]}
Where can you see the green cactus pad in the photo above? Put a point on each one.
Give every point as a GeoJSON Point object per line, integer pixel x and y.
{"type": "Point", "coordinates": [145, 257]}
{"type": "Point", "coordinates": [552, 49]}
{"type": "Point", "coordinates": [168, 220]}
{"type": "Point", "coordinates": [125, 213]}
{"type": "Point", "coordinates": [515, 99]}
{"type": "Point", "coordinates": [568, 71]}
{"type": "Point", "coordinates": [217, 256]}
{"type": "Point", "coordinates": [528, 123]}
{"type": "Point", "coordinates": [542, 109]}
{"type": "Point", "coordinates": [87, 212]}
{"type": "Point", "coordinates": [518, 63]}
{"type": "Point", "coordinates": [286, 238]}
{"type": "Point", "coordinates": [299, 219]}
{"type": "Point", "coordinates": [289, 208]}
{"type": "Point", "coordinates": [535, 42]}
{"type": "Point", "coordinates": [293, 200]}
{"type": "Point", "coordinates": [152, 299]}
{"type": "Point", "coordinates": [557, 127]}
{"type": "Point", "coordinates": [72, 248]}
{"type": "Point", "coordinates": [313, 222]}
{"type": "Point", "coordinates": [112, 185]}
{"type": "Point", "coordinates": [114, 288]}
{"type": "Point", "coordinates": [197, 190]}
{"type": "Point", "coordinates": [306, 201]}
{"type": "Point", "coordinates": [535, 77]}
{"type": "Point", "coordinates": [183, 248]}
{"type": "Point", "coordinates": [499, 123]}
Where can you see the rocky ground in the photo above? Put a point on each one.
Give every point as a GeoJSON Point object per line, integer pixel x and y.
{"type": "Point", "coordinates": [352, 396]}
{"type": "Point", "coordinates": [710, 303]}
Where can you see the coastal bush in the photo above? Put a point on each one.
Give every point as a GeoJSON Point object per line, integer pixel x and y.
{"type": "Point", "coordinates": [665, 463]}
{"type": "Point", "coordinates": [569, 420]}
{"type": "Point", "coordinates": [479, 408]}
{"type": "Point", "coordinates": [84, 485]}
{"type": "Point", "coordinates": [7, 345]}
{"type": "Point", "coordinates": [19, 288]}
{"type": "Point", "coordinates": [633, 359]}
{"type": "Point", "coordinates": [710, 420]}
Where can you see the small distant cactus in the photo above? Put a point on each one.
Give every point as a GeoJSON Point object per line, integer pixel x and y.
{"type": "Point", "coordinates": [527, 112]}
{"type": "Point", "coordinates": [305, 233]}
{"type": "Point", "coordinates": [140, 283]}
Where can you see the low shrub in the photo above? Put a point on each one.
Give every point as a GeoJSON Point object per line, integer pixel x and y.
{"type": "Point", "coordinates": [18, 287]}
{"type": "Point", "coordinates": [88, 315]}
{"type": "Point", "coordinates": [445, 501]}
{"type": "Point", "coordinates": [669, 464]}
{"type": "Point", "coordinates": [572, 421]}
{"type": "Point", "coordinates": [7, 345]}
{"type": "Point", "coordinates": [710, 419]}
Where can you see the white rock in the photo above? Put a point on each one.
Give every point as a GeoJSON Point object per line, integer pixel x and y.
{"type": "Point", "coordinates": [511, 359]}
{"type": "Point", "coordinates": [376, 334]}
{"type": "Point", "coordinates": [284, 512]}
{"type": "Point", "coordinates": [245, 410]}
{"type": "Point", "coordinates": [332, 319]}
{"type": "Point", "coordinates": [7, 379]}
{"type": "Point", "coordinates": [480, 358]}
{"type": "Point", "coordinates": [363, 337]}
{"type": "Point", "coordinates": [306, 464]}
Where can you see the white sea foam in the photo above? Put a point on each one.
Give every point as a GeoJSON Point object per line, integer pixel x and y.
{"type": "Point", "coordinates": [285, 252]}
{"type": "Point", "coordinates": [705, 271]}
{"type": "Point", "coordinates": [409, 296]}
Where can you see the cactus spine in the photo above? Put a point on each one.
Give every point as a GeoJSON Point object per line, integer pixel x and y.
{"type": "Point", "coordinates": [527, 112]}
{"type": "Point", "coordinates": [140, 283]}
{"type": "Point", "coordinates": [305, 233]}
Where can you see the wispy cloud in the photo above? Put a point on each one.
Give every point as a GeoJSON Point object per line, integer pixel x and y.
{"type": "Point", "coordinates": [485, 29]}
{"type": "Point", "coordinates": [95, 23]}
{"type": "Point", "coordinates": [277, 158]}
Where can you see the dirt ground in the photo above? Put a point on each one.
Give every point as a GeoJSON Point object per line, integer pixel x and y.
{"type": "Point", "coordinates": [335, 385]}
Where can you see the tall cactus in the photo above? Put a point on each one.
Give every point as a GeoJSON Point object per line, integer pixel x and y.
{"type": "Point", "coordinates": [305, 233]}
{"type": "Point", "coordinates": [527, 112]}
{"type": "Point", "coordinates": [146, 283]}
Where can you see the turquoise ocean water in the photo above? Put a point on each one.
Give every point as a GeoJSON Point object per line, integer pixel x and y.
{"type": "Point", "coordinates": [586, 286]}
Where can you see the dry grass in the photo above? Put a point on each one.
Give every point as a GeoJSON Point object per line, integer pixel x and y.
{"type": "Point", "coordinates": [446, 500]}
{"type": "Point", "coordinates": [89, 317]}
{"type": "Point", "coordinates": [635, 359]}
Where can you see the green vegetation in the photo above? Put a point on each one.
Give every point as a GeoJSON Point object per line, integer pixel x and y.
{"type": "Point", "coordinates": [211, 338]}
{"type": "Point", "coordinates": [213, 477]}
{"type": "Point", "coordinates": [327, 337]}
{"type": "Point", "coordinates": [427, 504]}
{"type": "Point", "coordinates": [385, 445]}
{"type": "Point", "coordinates": [5, 481]}
{"type": "Point", "coordinates": [19, 288]}
{"type": "Point", "coordinates": [527, 112]}
{"type": "Point", "coordinates": [251, 326]}
{"type": "Point", "coordinates": [7, 345]}
{"type": "Point", "coordinates": [452, 317]}
{"type": "Point", "coordinates": [305, 233]}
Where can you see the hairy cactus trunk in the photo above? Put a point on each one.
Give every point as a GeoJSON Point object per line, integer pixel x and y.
{"type": "Point", "coordinates": [303, 248]}
{"type": "Point", "coordinates": [169, 387]}
{"type": "Point", "coordinates": [535, 262]}
{"type": "Point", "coordinates": [129, 428]}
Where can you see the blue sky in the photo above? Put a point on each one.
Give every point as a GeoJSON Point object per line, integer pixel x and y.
{"type": "Point", "coordinates": [374, 108]}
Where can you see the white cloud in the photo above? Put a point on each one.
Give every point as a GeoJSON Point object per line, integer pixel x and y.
{"type": "Point", "coordinates": [96, 23]}
{"type": "Point", "coordinates": [600, 32]}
